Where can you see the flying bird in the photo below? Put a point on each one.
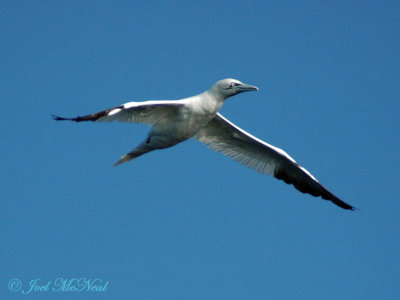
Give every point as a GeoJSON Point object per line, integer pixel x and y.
{"type": "Point", "coordinates": [174, 121]}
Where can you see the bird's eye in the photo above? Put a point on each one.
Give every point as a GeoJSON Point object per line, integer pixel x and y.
{"type": "Point", "coordinates": [234, 84]}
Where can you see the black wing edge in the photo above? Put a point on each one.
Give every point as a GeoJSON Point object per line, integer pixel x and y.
{"type": "Point", "coordinates": [316, 190]}
{"type": "Point", "coordinates": [91, 117]}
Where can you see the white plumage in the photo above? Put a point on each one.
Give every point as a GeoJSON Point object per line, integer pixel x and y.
{"type": "Point", "coordinates": [197, 117]}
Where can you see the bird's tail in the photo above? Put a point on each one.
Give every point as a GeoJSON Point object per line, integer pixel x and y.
{"type": "Point", "coordinates": [123, 159]}
{"type": "Point", "coordinates": [132, 155]}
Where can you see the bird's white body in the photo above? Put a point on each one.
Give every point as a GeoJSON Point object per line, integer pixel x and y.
{"type": "Point", "coordinates": [174, 121]}
{"type": "Point", "coordinates": [194, 113]}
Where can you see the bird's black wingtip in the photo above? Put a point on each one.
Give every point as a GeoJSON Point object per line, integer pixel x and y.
{"type": "Point", "coordinates": [342, 204]}
{"type": "Point", "coordinates": [58, 118]}
{"type": "Point", "coordinates": [354, 209]}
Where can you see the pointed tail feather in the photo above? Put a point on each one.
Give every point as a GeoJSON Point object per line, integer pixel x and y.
{"type": "Point", "coordinates": [133, 154]}
{"type": "Point", "coordinates": [123, 159]}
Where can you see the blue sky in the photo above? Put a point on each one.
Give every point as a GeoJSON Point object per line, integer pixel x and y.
{"type": "Point", "coordinates": [186, 222]}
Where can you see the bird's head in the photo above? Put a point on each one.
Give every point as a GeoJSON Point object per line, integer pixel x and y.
{"type": "Point", "coordinates": [230, 87]}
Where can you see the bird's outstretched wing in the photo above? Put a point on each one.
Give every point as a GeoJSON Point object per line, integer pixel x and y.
{"type": "Point", "coordinates": [147, 112]}
{"type": "Point", "coordinates": [225, 137]}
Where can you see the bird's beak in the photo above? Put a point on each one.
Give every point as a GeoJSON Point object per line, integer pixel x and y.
{"type": "Point", "coordinates": [247, 88]}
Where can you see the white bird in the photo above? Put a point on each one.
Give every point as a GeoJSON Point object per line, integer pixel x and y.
{"type": "Point", "coordinates": [174, 121]}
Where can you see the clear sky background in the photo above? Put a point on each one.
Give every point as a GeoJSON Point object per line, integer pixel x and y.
{"type": "Point", "coordinates": [187, 222]}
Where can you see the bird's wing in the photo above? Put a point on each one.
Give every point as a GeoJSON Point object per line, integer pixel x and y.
{"type": "Point", "coordinates": [147, 112]}
{"type": "Point", "coordinates": [223, 136]}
